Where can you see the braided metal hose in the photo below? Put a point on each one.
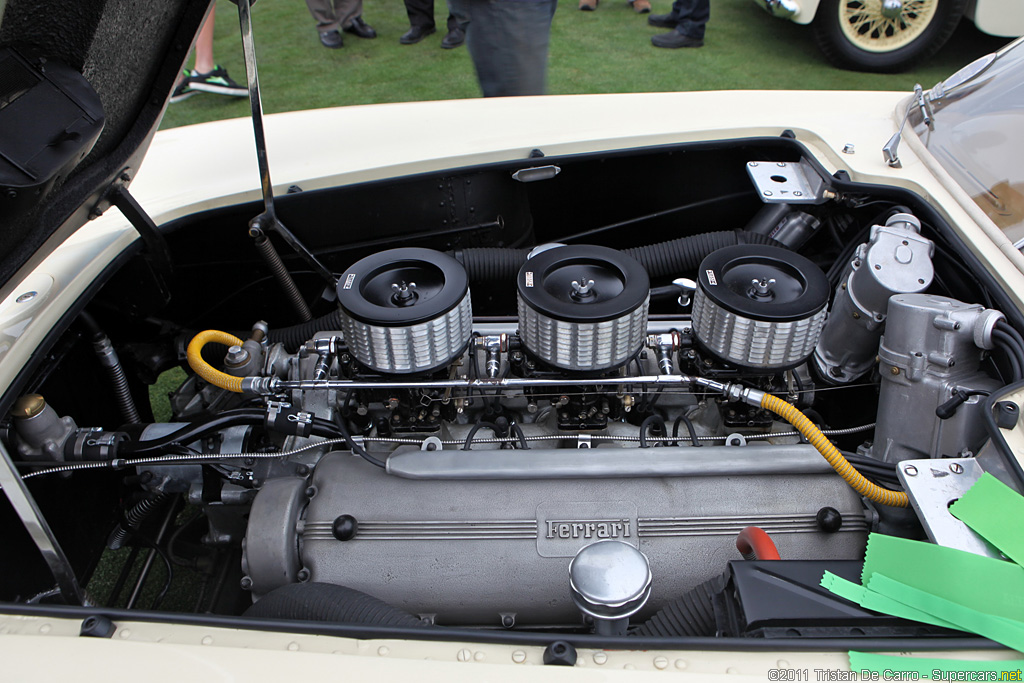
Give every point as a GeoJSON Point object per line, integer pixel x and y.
{"type": "Point", "coordinates": [118, 380]}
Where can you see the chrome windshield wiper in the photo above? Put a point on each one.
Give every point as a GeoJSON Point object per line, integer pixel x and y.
{"type": "Point", "coordinates": [889, 149]}
{"type": "Point", "coordinates": [924, 101]}
{"type": "Point", "coordinates": [962, 77]}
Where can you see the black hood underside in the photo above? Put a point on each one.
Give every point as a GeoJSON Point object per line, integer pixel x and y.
{"type": "Point", "coordinates": [130, 53]}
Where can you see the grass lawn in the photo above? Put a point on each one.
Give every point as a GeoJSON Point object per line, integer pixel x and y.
{"type": "Point", "coordinates": [606, 51]}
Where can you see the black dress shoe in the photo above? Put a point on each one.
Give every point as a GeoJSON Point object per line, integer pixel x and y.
{"type": "Point", "coordinates": [360, 28]}
{"type": "Point", "coordinates": [454, 38]}
{"type": "Point", "coordinates": [416, 34]}
{"type": "Point", "coordinates": [331, 39]}
{"type": "Point", "coordinates": [675, 39]}
{"type": "Point", "coordinates": [663, 20]}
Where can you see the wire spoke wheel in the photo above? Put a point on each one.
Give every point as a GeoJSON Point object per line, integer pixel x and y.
{"type": "Point", "coordinates": [884, 35]}
{"type": "Point", "coordinates": [867, 27]}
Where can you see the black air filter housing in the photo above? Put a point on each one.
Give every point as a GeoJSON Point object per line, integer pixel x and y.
{"type": "Point", "coordinates": [405, 310]}
{"type": "Point", "coordinates": [759, 307]}
{"type": "Point", "coordinates": [583, 308]}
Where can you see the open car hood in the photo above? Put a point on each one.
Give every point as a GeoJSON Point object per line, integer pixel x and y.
{"type": "Point", "coordinates": [83, 87]}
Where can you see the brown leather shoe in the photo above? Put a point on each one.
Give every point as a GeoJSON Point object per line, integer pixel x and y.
{"type": "Point", "coordinates": [588, 5]}
{"type": "Point", "coordinates": [641, 6]}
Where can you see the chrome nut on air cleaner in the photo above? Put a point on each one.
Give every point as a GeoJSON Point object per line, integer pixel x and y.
{"type": "Point", "coordinates": [759, 307]}
{"type": "Point", "coordinates": [405, 310]}
{"type": "Point", "coordinates": [583, 308]}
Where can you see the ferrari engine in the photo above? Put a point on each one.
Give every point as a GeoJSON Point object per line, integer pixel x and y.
{"type": "Point", "coordinates": [566, 434]}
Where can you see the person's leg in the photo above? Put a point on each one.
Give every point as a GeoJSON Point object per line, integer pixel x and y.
{"type": "Point", "coordinates": [204, 46]}
{"type": "Point", "coordinates": [508, 41]}
{"type": "Point", "coordinates": [347, 10]}
{"type": "Point", "coordinates": [421, 21]}
{"type": "Point", "coordinates": [454, 22]}
{"type": "Point", "coordinates": [323, 13]}
{"type": "Point", "coordinates": [687, 19]}
{"type": "Point", "coordinates": [421, 13]}
{"type": "Point", "coordinates": [207, 75]}
{"type": "Point", "coordinates": [459, 11]}
{"type": "Point", "coordinates": [693, 16]}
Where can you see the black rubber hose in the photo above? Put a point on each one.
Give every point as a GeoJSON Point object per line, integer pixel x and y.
{"type": "Point", "coordinates": [652, 421]}
{"type": "Point", "coordinates": [356, 448]}
{"type": "Point", "coordinates": [692, 615]}
{"type": "Point", "coordinates": [329, 603]}
{"type": "Point", "coordinates": [518, 431]}
{"type": "Point", "coordinates": [228, 418]}
{"type": "Point", "coordinates": [295, 336]}
{"type": "Point", "coordinates": [674, 257]}
{"type": "Point", "coordinates": [468, 446]}
{"type": "Point", "coordinates": [487, 264]}
{"type": "Point", "coordinates": [694, 441]}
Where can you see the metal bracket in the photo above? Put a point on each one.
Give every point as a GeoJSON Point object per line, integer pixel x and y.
{"type": "Point", "coordinates": [932, 485]}
{"type": "Point", "coordinates": [784, 182]}
{"type": "Point", "coordinates": [25, 505]}
{"type": "Point", "coordinates": [583, 441]}
{"type": "Point", "coordinates": [156, 245]}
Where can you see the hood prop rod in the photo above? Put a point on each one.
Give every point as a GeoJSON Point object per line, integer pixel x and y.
{"type": "Point", "coordinates": [268, 220]}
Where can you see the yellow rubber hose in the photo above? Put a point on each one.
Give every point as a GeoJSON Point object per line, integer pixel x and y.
{"type": "Point", "coordinates": [204, 369]}
{"type": "Point", "coordinates": [833, 456]}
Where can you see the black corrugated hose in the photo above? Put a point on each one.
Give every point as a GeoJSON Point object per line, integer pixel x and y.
{"type": "Point", "coordinates": [692, 615]}
{"type": "Point", "coordinates": [674, 257]}
{"type": "Point", "coordinates": [135, 516]}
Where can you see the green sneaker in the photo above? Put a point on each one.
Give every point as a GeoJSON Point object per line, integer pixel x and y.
{"type": "Point", "coordinates": [183, 90]}
{"type": "Point", "coordinates": [217, 82]}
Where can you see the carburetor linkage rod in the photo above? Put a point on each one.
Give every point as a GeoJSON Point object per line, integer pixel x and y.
{"type": "Point", "coordinates": [272, 385]}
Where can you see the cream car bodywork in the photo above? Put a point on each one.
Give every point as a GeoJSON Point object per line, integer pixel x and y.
{"type": "Point", "coordinates": [222, 655]}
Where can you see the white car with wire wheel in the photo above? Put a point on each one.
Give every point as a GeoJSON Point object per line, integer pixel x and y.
{"type": "Point", "coordinates": [893, 35]}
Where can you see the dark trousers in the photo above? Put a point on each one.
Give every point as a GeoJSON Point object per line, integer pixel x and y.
{"type": "Point", "coordinates": [508, 41]}
{"type": "Point", "coordinates": [332, 15]}
{"type": "Point", "coordinates": [692, 16]}
{"type": "Point", "coordinates": [421, 13]}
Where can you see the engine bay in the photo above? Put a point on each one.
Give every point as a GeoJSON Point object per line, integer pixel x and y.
{"type": "Point", "coordinates": [575, 394]}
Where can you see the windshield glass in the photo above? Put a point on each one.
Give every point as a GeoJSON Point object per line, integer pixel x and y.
{"type": "Point", "coordinates": [977, 138]}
